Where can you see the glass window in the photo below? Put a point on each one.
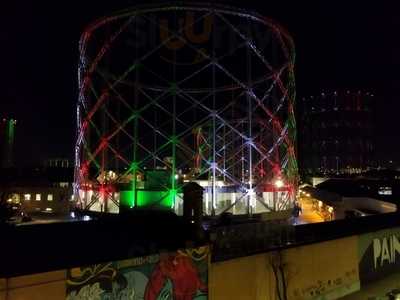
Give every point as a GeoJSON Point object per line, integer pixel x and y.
{"type": "Point", "coordinates": [38, 197]}
{"type": "Point", "coordinates": [385, 190]}
{"type": "Point", "coordinates": [50, 197]}
{"type": "Point", "coordinates": [27, 197]}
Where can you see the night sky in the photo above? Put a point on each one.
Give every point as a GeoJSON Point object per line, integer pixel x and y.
{"type": "Point", "coordinates": [349, 44]}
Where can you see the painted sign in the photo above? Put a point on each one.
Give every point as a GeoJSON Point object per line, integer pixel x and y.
{"type": "Point", "coordinates": [180, 275]}
{"type": "Point", "coordinates": [379, 254]}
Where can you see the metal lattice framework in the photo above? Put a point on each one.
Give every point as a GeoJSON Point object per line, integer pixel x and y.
{"type": "Point", "coordinates": [176, 94]}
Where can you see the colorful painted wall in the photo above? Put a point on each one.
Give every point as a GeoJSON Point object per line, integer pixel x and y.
{"type": "Point", "coordinates": [321, 271]}
{"type": "Point", "coordinates": [327, 270]}
{"type": "Point", "coordinates": [180, 275]}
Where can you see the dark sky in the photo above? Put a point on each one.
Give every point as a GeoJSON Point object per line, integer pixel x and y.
{"type": "Point", "coordinates": [348, 44]}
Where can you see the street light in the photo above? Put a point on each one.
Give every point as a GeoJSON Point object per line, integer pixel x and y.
{"type": "Point", "coordinates": [279, 183]}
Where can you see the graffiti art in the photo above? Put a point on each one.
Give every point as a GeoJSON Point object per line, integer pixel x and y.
{"type": "Point", "coordinates": [180, 275]}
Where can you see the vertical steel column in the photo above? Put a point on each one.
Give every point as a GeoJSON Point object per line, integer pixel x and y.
{"type": "Point", "coordinates": [250, 131]}
{"type": "Point", "coordinates": [214, 139]}
{"type": "Point", "coordinates": [174, 138]}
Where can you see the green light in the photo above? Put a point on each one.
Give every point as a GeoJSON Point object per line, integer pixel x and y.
{"type": "Point", "coordinates": [127, 199]}
{"type": "Point", "coordinates": [155, 198]}
{"type": "Point", "coordinates": [149, 199]}
{"type": "Point", "coordinates": [172, 195]}
{"type": "Point", "coordinates": [10, 140]}
{"type": "Point", "coordinates": [10, 132]}
{"type": "Point", "coordinates": [134, 167]}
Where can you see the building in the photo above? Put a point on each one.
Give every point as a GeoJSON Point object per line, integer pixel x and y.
{"type": "Point", "coordinates": [39, 189]}
{"type": "Point", "coordinates": [336, 133]}
{"type": "Point", "coordinates": [351, 197]}
{"type": "Point", "coordinates": [58, 163]}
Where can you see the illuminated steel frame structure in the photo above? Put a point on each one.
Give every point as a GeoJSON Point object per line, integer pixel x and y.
{"type": "Point", "coordinates": [186, 93]}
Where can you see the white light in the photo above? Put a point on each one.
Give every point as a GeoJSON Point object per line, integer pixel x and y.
{"type": "Point", "coordinates": [49, 209]}
{"type": "Point", "coordinates": [233, 200]}
{"type": "Point", "coordinates": [202, 183]}
{"type": "Point", "coordinates": [252, 198]}
{"type": "Point", "coordinates": [176, 176]}
{"type": "Point", "coordinates": [206, 195]}
{"type": "Point", "coordinates": [90, 194]}
{"type": "Point", "coordinates": [72, 214]}
{"type": "Point", "coordinates": [279, 183]}
{"type": "Point", "coordinates": [86, 218]}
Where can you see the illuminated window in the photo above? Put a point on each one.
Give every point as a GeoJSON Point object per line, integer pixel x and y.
{"type": "Point", "coordinates": [27, 197]}
{"type": "Point", "coordinates": [38, 197]}
{"type": "Point", "coordinates": [385, 190]}
{"type": "Point", "coordinates": [50, 197]}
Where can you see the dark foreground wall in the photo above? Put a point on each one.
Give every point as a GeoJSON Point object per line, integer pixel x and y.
{"type": "Point", "coordinates": [119, 258]}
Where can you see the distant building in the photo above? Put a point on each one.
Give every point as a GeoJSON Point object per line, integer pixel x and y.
{"type": "Point", "coordinates": [39, 189]}
{"type": "Point", "coordinates": [336, 133]}
{"type": "Point", "coordinates": [384, 174]}
{"type": "Point", "coordinates": [361, 196]}
{"type": "Point", "coordinates": [58, 163]}
{"type": "Point", "coordinates": [40, 199]}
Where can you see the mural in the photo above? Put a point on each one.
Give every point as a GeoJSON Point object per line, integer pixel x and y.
{"type": "Point", "coordinates": [180, 275]}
